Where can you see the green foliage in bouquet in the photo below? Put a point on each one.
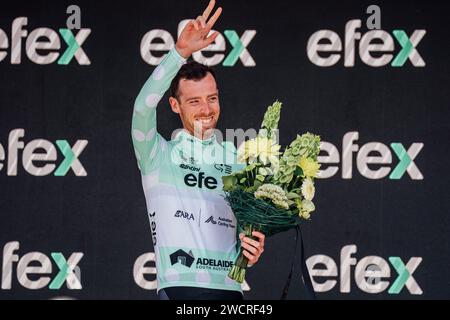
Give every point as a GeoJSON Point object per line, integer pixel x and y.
{"type": "Point", "coordinates": [272, 194]}
{"type": "Point", "coordinates": [271, 118]}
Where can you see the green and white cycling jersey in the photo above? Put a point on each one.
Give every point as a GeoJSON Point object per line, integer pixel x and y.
{"type": "Point", "coordinates": [193, 228]}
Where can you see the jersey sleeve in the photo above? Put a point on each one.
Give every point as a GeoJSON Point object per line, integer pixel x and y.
{"type": "Point", "coordinates": [147, 141]}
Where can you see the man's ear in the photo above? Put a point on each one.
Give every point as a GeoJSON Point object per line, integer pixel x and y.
{"type": "Point", "coordinates": [174, 104]}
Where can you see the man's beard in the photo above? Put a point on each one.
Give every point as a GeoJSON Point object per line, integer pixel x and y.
{"type": "Point", "coordinates": [203, 131]}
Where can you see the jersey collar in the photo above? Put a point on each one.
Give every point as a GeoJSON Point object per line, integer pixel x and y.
{"type": "Point", "coordinates": [185, 136]}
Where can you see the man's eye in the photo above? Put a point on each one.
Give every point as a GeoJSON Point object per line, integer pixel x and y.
{"type": "Point", "coordinates": [193, 102]}
{"type": "Point", "coordinates": [213, 99]}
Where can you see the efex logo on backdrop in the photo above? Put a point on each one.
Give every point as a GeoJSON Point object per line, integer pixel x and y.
{"type": "Point", "coordinates": [372, 274]}
{"type": "Point", "coordinates": [165, 42]}
{"type": "Point", "coordinates": [373, 159]}
{"type": "Point", "coordinates": [376, 47]}
{"type": "Point", "coordinates": [43, 45]}
{"type": "Point", "coordinates": [34, 269]}
{"type": "Point", "coordinates": [38, 156]}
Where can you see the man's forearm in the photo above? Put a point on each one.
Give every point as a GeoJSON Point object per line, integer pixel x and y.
{"type": "Point", "coordinates": [158, 83]}
{"type": "Point", "coordinates": [144, 116]}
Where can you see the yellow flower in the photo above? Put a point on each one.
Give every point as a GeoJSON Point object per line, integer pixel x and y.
{"type": "Point", "coordinates": [308, 189]}
{"type": "Point", "coordinates": [264, 148]}
{"type": "Point", "coordinates": [309, 167]}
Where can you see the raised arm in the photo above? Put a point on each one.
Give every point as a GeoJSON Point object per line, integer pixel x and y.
{"type": "Point", "coordinates": [146, 140]}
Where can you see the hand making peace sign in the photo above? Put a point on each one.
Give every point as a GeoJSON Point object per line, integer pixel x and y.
{"type": "Point", "coordinates": [194, 36]}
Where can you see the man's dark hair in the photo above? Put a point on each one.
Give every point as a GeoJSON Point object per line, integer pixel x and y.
{"type": "Point", "coordinates": [192, 70]}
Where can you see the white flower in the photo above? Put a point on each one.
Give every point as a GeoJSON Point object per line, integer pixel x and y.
{"type": "Point", "coordinates": [263, 148]}
{"type": "Point", "coordinates": [247, 150]}
{"type": "Point", "coordinates": [307, 208]}
{"type": "Point", "coordinates": [308, 189]}
{"type": "Point", "coordinates": [274, 193]}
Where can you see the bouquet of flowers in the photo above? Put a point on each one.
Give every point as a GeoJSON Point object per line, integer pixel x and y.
{"type": "Point", "coordinates": [272, 193]}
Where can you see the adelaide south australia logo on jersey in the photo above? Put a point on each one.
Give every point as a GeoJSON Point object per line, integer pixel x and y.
{"type": "Point", "coordinates": [182, 257]}
{"type": "Point", "coordinates": [187, 259]}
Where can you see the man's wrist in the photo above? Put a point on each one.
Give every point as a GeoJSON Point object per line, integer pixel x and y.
{"type": "Point", "coordinates": [184, 53]}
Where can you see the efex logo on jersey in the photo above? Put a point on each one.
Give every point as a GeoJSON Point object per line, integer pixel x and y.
{"type": "Point", "coordinates": [200, 180]}
{"type": "Point", "coordinates": [42, 43]}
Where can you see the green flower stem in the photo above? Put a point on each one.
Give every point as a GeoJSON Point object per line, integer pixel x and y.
{"type": "Point", "coordinates": [296, 181]}
{"type": "Point", "coordinates": [293, 184]}
{"type": "Point", "coordinates": [237, 273]}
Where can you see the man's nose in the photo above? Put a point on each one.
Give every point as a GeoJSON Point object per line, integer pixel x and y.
{"type": "Point", "coordinates": [205, 107]}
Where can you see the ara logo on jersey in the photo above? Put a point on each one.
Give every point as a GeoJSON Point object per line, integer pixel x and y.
{"type": "Point", "coordinates": [184, 215]}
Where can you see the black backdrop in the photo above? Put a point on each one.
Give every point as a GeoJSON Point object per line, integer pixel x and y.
{"type": "Point", "coordinates": [103, 214]}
